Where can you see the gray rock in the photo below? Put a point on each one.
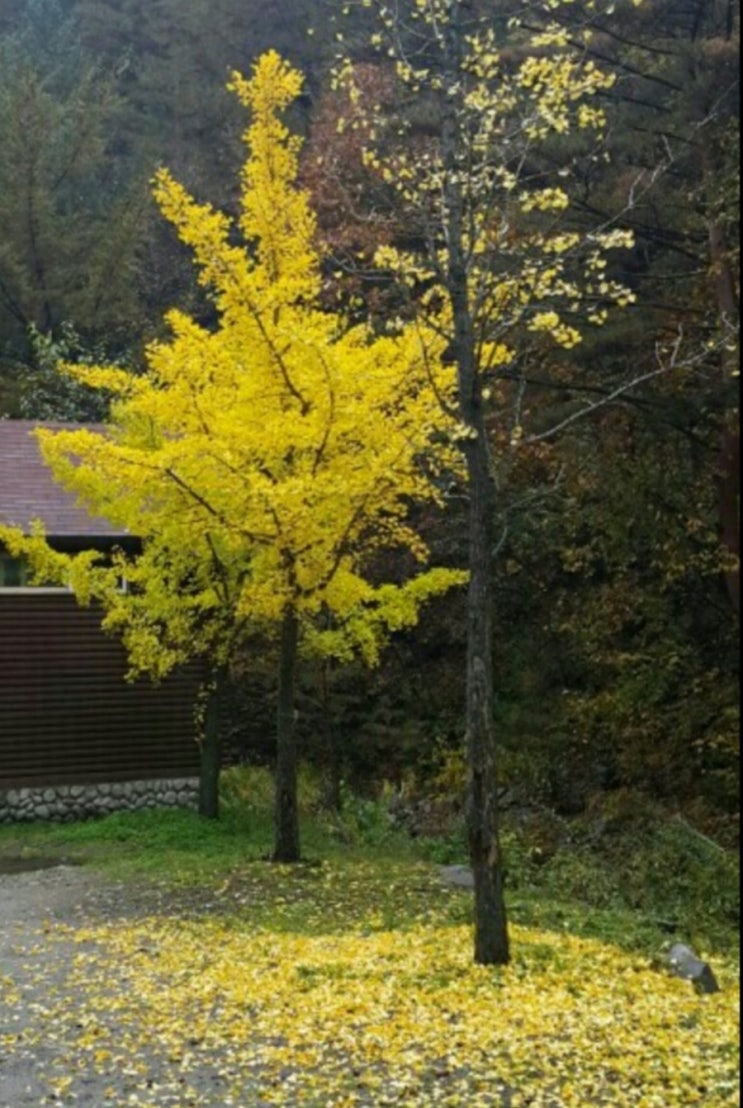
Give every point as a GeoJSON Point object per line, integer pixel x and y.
{"type": "Point", "coordinates": [459, 876]}
{"type": "Point", "coordinates": [684, 963]}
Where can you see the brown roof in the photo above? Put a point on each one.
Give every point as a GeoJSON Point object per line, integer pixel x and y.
{"type": "Point", "coordinates": [28, 491]}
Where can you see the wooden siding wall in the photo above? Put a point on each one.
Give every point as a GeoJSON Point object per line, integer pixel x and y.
{"type": "Point", "coordinates": [66, 714]}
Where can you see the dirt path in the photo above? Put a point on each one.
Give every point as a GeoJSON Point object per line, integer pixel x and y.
{"type": "Point", "coordinates": [54, 892]}
{"type": "Point", "coordinates": [42, 996]}
{"type": "Point", "coordinates": [33, 975]}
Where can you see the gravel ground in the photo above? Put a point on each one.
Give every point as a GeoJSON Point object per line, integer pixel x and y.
{"type": "Point", "coordinates": [36, 960]}
{"type": "Point", "coordinates": [34, 966]}
{"type": "Point", "coordinates": [32, 904]}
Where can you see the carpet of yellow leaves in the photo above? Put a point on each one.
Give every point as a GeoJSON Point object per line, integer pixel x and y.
{"type": "Point", "coordinates": [383, 1017]}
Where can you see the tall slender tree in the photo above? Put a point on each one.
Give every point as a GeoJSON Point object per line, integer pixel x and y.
{"type": "Point", "coordinates": [491, 268]}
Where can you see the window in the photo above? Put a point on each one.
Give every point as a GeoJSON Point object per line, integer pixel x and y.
{"type": "Point", "coordinates": [13, 572]}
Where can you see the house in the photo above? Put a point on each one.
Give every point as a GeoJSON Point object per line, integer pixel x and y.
{"type": "Point", "coordinates": [75, 737]}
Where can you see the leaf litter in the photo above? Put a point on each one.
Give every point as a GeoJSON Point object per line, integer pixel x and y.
{"type": "Point", "coordinates": [292, 986]}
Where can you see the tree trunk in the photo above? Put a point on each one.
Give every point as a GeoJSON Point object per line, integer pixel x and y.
{"type": "Point", "coordinates": [333, 745]}
{"type": "Point", "coordinates": [724, 283]}
{"type": "Point", "coordinates": [729, 458]}
{"type": "Point", "coordinates": [491, 930]}
{"type": "Point", "coordinates": [211, 753]}
{"type": "Point", "coordinates": [286, 819]}
{"type": "Point", "coordinates": [729, 502]}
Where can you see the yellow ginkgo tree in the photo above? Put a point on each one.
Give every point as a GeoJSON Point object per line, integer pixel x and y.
{"type": "Point", "coordinates": [263, 461]}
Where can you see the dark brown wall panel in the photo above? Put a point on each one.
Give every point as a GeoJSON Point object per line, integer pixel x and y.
{"type": "Point", "coordinates": [66, 713]}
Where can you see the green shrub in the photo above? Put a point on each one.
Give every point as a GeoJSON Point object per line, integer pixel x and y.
{"type": "Point", "coordinates": [250, 790]}
{"type": "Point", "coordinates": [364, 821]}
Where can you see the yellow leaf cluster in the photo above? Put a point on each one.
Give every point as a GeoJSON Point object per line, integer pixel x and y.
{"type": "Point", "coordinates": [373, 1015]}
{"type": "Point", "coordinates": [263, 461]}
{"type": "Point", "coordinates": [521, 267]}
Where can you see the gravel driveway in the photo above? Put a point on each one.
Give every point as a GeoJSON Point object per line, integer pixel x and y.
{"type": "Point", "coordinates": [41, 994]}
{"type": "Point", "coordinates": [33, 972]}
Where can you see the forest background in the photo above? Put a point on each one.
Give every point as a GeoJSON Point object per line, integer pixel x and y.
{"type": "Point", "coordinates": [616, 603]}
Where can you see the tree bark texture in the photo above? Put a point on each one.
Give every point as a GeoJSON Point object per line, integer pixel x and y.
{"type": "Point", "coordinates": [286, 816]}
{"type": "Point", "coordinates": [333, 744]}
{"type": "Point", "coordinates": [211, 753]}
{"type": "Point", "coordinates": [729, 460]}
{"type": "Point", "coordinates": [491, 930]}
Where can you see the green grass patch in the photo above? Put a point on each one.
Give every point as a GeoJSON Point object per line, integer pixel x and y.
{"type": "Point", "coordinates": [639, 888]}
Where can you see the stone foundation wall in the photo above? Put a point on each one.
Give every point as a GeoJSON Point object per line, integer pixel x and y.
{"type": "Point", "coordinates": [62, 803]}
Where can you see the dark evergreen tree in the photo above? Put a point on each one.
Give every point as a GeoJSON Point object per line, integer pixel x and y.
{"type": "Point", "coordinates": [71, 214]}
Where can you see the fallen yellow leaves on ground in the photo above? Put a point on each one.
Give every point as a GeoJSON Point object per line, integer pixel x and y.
{"type": "Point", "coordinates": [386, 1017]}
